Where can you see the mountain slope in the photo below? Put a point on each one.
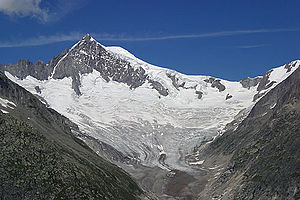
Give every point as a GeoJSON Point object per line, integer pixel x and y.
{"type": "Point", "coordinates": [147, 119]}
{"type": "Point", "coordinates": [41, 159]}
{"type": "Point", "coordinates": [261, 158]}
{"type": "Point", "coordinates": [109, 93]}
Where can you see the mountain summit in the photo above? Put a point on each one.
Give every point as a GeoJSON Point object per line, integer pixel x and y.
{"type": "Point", "coordinates": [139, 114]}
{"type": "Point", "coordinates": [108, 91]}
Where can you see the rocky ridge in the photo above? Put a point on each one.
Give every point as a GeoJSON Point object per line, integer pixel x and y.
{"type": "Point", "coordinates": [41, 159]}
{"type": "Point", "coordinates": [259, 159]}
{"type": "Point", "coordinates": [141, 115]}
{"type": "Point", "coordinates": [88, 55]}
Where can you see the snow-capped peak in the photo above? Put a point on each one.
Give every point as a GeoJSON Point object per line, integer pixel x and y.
{"type": "Point", "coordinates": [136, 107]}
{"type": "Point", "coordinates": [119, 51]}
{"type": "Point", "coordinates": [87, 37]}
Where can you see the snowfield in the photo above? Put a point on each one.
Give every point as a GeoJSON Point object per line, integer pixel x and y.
{"type": "Point", "coordinates": [140, 122]}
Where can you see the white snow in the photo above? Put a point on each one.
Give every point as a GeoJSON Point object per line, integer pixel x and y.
{"type": "Point", "coordinates": [212, 168]}
{"type": "Point", "coordinates": [53, 72]}
{"type": "Point", "coordinates": [273, 106]}
{"type": "Point", "coordinates": [4, 111]}
{"type": "Point", "coordinates": [5, 103]}
{"type": "Point", "coordinates": [135, 121]}
{"type": "Point", "coordinates": [279, 74]}
{"type": "Point", "coordinates": [200, 162]}
{"type": "Point", "coordinates": [83, 52]}
{"type": "Point", "coordinates": [132, 120]}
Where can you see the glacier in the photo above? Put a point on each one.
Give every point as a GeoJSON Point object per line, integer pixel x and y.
{"type": "Point", "coordinates": [149, 128]}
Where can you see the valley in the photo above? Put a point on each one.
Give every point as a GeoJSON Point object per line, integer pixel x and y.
{"type": "Point", "coordinates": [151, 121]}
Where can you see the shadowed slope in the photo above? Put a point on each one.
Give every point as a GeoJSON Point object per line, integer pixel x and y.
{"type": "Point", "coordinates": [40, 159]}
{"type": "Point", "coordinates": [263, 152]}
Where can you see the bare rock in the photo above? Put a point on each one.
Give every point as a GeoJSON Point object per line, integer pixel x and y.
{"type": "Point", "coordinates": [215, 83]}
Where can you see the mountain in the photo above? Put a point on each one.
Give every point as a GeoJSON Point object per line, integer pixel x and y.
{"type": "Point", "coordinates": [41, 159]}
{"type": "Point", "coordinates": [261, 158]}
{"type": "Point", "coordinates": [149, 120]}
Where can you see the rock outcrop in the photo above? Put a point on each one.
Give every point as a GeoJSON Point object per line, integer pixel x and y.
{"type": "Point", "coordinates": [41, 159]}
{"type": "Point", "coordinates": [260, 159]}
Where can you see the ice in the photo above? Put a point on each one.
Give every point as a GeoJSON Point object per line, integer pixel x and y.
{"type": "Point", "coordinates": [280, 73]}
{"type": "Point", "coordinates": [135, 121]}
{"type": "Point", "coordinates": [200, 162]}
{"type": "Point", "coordinates": [83, 52]}
{"type": "Point", "coordinates": [140, 122]}
{"type": "Point", "coordinates": [5, 103]}
{"type": "Point", "coordinates": [273, 106]}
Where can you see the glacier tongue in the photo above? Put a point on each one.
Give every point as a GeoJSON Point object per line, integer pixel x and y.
{"type": "Point", "coordinates": [141, 123]}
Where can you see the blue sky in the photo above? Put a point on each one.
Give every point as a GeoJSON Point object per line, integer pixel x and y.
{"type": "Point", "coordinates": [229, 39]}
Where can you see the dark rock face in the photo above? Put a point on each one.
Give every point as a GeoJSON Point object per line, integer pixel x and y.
{"type": "Point", "coordinates": [25, 68]}
{"type": "Point", "coordinates": [39, 70]}
{"type": "Point", "coordinates": [41, 159]}
{"type": "Point", "coordinates": [263, 152]}
{"type": "Point", "coordinates": [157, 86]}
{"type": "Point", "coordinates": [250, 82]}
{"type": "Point", "coordinates": [215, 83]}
{"type": "Point", "coordinates": [258, 95]}
{"type": "Point", "coordinates": [289, 67]}
{"type": "Point", "coordinates": [228, 96]}
{"type": "Point", "coordinates": [176, 84]}
{"type": "Point", "coordinates": [175, 81]}
{"type": "Point", "coordinates": [83, 58]}
{"type": "Point", "coordinates": [264, 81]}
{"type": "Point", "coordinates": [37, 89]}
{"type": "Point", "coordinates": [263, 84]}
{"type": "Point", "coordinates": [200, 94]}
{"type": "Point", "coordinates": [88, 55]}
